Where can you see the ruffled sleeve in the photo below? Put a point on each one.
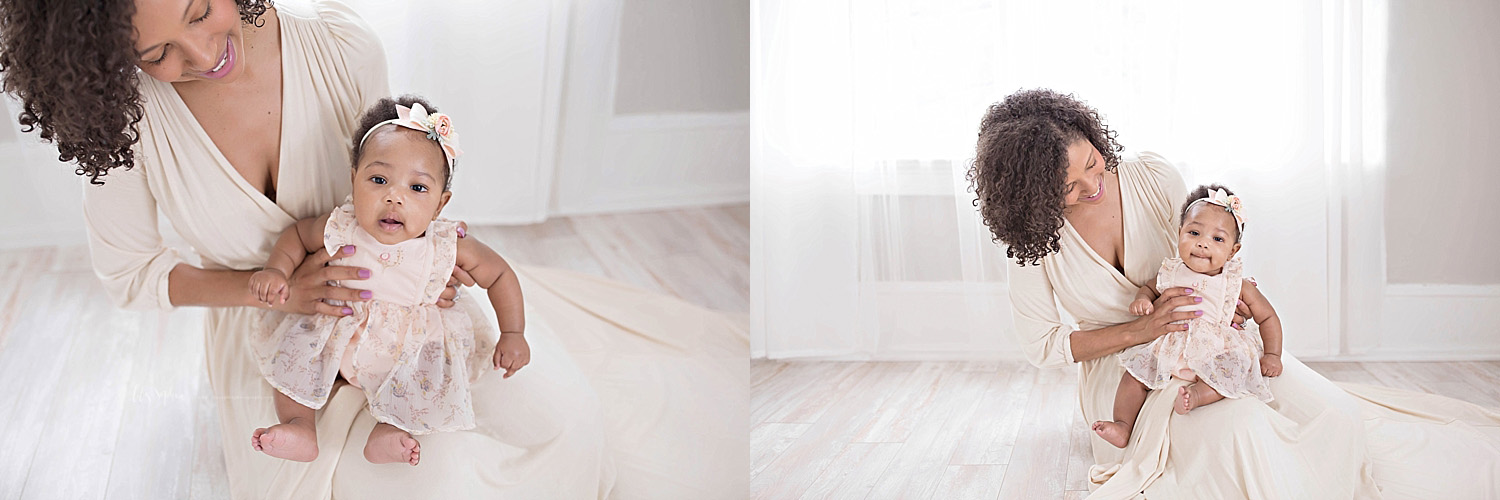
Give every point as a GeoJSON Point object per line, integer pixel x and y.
{"type": "Point", "coordinates": [1164, 276]}
{"type": "Point", "coordinates": [125, 244]}
{"type": "Point", "coordinates": [1038, 325]}
{"type": "Point", "coordinates": [339, 230]}
{"type": "Point", "coordinates": [363, 56]}
{"type": "Point", "coordinates": [1234, 273]}
{"type": "Point", "coordinates": [1163, 188]}
{"type": "Point", "coordinates": [444, 236]}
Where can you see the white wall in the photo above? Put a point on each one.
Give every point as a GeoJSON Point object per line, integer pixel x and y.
{"type": "Point", "coordinates": [684, 56]}
{"type": "Point", "coordinates": [1426, 283]}
{"type": "Point", "coordinates": [655, 111]}
{"type": "Point", "coordinates": [506, 103]}
{"type": "Point", "coordinates": [1442, 170]}
{"type": "Point", "coordinates": [557, 145]}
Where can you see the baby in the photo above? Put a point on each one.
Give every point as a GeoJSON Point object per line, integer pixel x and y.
{"type": "Point", "coordinates": [1223, 362]}
{"type": "Point", "coordinates": [411, 358]}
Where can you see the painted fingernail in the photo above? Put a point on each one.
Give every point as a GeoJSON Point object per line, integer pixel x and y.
{"type": "Point", "coordinates": [1189, 290]}
{"type": "Point", "coordinates": [364, 274]}
{"type": "Point", "coordinates": [347, 311]}
{"type": "Point", "coordinates": [1197, 299]}
{"type": "Point", "coordinates": [349, 249]}
{"type": "Point", "coordinates": [1197, 313]}
{"type": "Point", "coordinates": [461, 232]}
{"type": "Point", "coordinates": [365, 294]}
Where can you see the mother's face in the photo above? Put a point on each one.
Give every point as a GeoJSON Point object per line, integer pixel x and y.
{"type": "Point", "coordinates": [1085, 182]}
{"type": "Point", "coordinates": [187, 40]}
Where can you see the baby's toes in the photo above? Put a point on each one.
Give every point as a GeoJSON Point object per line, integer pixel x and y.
{"type": "Point", "coordinates": [413, 450]}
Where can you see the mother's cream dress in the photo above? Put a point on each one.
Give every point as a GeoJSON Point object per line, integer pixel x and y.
{"type": "Point", "coordinates": [629, 394]}
{"type": "Point", "coordinates": [1316, 440]}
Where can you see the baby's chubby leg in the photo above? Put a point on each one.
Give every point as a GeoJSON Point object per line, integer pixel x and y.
{"type": "Point", "coordinates": [1128, 400]}
{"type": "Point", "coordinates": [389, 445]}
{"type": "Point", "coordinates": [295, 438]}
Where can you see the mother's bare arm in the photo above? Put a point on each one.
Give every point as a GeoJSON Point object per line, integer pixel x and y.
{"type": "Point", "coordinates": [1094, 344]}
{"type": "Point", "coordinates": [308, 282]}
{"type": "Point", "coordinates": [193, 286]}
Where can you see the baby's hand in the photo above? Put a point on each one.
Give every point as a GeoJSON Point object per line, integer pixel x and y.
{"type": "Point", "coordinates": [1141, 307]}
{"type": "Point", "coordinates": [512, 353]}
{"type": "Point", "coordinates": [1270, 365]}
{"type": "Point", "coordinates": [269, 286]}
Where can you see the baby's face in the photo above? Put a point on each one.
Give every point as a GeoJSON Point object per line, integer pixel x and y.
{"type": "Point", "coordinates": [1206, 240]}
{"type": "Point", "coordinates": [398, 184]}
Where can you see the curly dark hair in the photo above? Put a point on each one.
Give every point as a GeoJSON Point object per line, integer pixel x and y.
{"type": "Point", "coordinates": [1203, 192]}
{"type": "Point", "coordinates": [72, 65]}
{"type": "Point", "coordinates": [386, 110]}
{"type": "Point", "coordinates": [1020, 166]}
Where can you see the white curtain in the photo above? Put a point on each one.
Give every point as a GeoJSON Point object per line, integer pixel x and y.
{"type": "Point", "coordinates": [866, 244]}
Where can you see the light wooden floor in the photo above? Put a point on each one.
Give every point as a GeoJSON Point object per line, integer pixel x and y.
{"type": "Point", "coordinates": [97, 402]}
{"type": "Point", "coordinates": [981, 430]}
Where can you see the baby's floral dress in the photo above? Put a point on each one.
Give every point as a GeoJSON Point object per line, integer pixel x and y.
{"type": "Point", "coordinates": [1210, 350]}
{"type": "Point", "coordinates": [413, 359]}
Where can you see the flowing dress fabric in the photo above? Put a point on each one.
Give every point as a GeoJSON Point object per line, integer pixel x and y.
{"type": "Point", "coordinates": [413, 359]}
{"type": "Point", "coordinates": [1317, 439]}
{"type": "Point", "coordinates": [629, 394]}
{"type": "Point", "coordinates": [1210, 350]}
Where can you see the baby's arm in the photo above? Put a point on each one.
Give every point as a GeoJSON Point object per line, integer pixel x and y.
{"type": "Point", "coordinates": [1142, 305]}
{"type": "Point", "coordinates": [494, 274]}
{"type": "Point", "coordinates": [1270, 328]}
{"type": "Point", "coordinates": [303, 237]}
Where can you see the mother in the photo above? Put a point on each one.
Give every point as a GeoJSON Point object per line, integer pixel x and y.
{"type": "Point", "coordinates": [232, 118]}
{"type": "Point", "coordinates": [1086, 228]}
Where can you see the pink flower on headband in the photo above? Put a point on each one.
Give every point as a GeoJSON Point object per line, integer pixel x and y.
{"type": "Point", "coordinates": [437, 126]}
{"type": "Point", "coordinates": [1231, 203]}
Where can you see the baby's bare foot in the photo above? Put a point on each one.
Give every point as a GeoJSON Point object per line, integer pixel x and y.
{"type": "Point", "coordinates": [295, 440]}
{"type": "Point", "coordinates": [388, 445]}
{"type": "Point", "coordinates": [1115, 433]}
{"type": "Point", "coordinates": [1186, 401]}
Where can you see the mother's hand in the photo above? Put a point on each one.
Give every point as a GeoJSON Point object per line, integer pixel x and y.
{"type": "Point", "coordinates": [1164, 313]}
{"type": "Point", "coordinates": [460, 276]}
{"type": "Point", "coordinates": [310, 288]}
{"type": "Point", "coordinates": [1241, 310]}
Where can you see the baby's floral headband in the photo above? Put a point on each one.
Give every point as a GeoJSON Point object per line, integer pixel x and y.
{"type": "Point", "coordinates": [1231, 203]}
{"type": "Point", "coordinates": [438, 126]}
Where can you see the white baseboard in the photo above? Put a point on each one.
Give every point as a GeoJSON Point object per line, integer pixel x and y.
{"type": "Point", "coordinates": [1379, 357]}
{"type": "Point", "coordinates": [1433, 323]}
{"type": "Point", "coordinates": [946, 355]}
{"type": "Point", "coordinates": [662, 161]}
{"type": "Point", "coordinates": [661, 198]}
{"type": "Point", "coordinates": [652, 123]}
{"type": "Point", "coordinates": [17, 238]}
{"type": "Point", "coordinates": [1444, 290]}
